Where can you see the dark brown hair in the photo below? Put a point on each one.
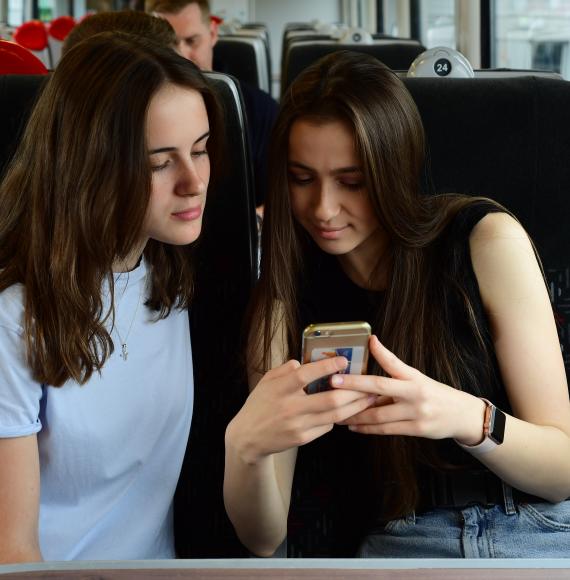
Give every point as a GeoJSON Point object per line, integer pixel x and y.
{"type": "Point", "coordinates": [175, 6]}
{"type": "Point", "coordinates": [370, 99]}
{"type": "Point", "coordinates": [75, 197]}
{"type": "Point", "coordinates": [129, 21]}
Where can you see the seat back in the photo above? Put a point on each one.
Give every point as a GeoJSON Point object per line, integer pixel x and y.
{"type": "Point", "coordinates": [395, 53]}
{"type": "Point", "coordinates": [226, 267]}
{"type": "Point", "coordinates": [246, 58]}
{"type": "Point", "coordinates": [258, 31]}
{"type": "Point", "coordinates": [507, 138]}
{"type": "Point", "coordinates": [18, 93]}
{"type": "Point", "coordinates": [33, 36]}
{"type": "Point", "coordinates": [58, 30]}
{"type": "Point", "coordinates": [225, 273]}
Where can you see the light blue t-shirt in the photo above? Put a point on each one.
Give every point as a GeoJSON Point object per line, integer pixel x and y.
{"type": "Point", "coordinates": [111, 450]}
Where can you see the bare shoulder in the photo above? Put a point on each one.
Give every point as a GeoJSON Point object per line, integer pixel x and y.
{"type": "Point", "coordinates": [506, 266]}
{"type": "Point", "coordinates": [497, 225]}
{"type": "Point", "coordinates": [499, 242]}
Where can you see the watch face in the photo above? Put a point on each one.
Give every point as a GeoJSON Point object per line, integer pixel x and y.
{"type": "Point", "coordinates": [497, 430]}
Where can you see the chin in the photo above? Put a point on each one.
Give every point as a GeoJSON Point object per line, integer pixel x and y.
{"type": "Point", "coordinates": [181, 239]}
{"type": "Point", "coordinates": [334, 248]}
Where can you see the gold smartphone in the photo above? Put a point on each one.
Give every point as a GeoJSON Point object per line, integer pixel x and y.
{"type": "Point", "coordinates": [326, 340]}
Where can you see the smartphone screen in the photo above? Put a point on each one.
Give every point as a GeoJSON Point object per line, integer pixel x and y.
{"type": "Point", "coordinates": [327, 340]}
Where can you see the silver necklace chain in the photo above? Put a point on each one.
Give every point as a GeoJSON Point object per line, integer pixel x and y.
{"type": "Point", "coordinates": [124, 348]}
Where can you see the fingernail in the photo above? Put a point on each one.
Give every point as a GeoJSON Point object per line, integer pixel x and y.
{"type": "Point", "coordinates": [342, 363]}
{"type": "Point", "coordinates": [371, 399]}
{"type": "Point", "coordinates": [337, 380]}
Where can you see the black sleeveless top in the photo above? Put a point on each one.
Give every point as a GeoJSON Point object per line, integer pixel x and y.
{"type": "Point", "coordinates": [334, 500]}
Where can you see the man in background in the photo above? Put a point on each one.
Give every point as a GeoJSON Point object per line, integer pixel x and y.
{"type": "Point", "coordinates": [197, 34]}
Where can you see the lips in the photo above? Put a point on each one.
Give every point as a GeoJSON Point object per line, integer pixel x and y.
{"type": "Point", "coordinates": [189, 214]}
{"type": "Point", "coordinates": [330, 233]}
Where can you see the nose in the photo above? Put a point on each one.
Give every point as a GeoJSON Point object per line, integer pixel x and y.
{"type": "Point", "coordinates": [326, 205]}
{"type": "Point", "coordinates": [190, 181]}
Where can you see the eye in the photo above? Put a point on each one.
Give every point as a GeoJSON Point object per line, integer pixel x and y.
{"type": "Point", "coordinates": [160, 167]}
{"type": "Point", "coordinates": [352, 185]}
{"type": "Point", "coordinates": [300, 178]}
{"type": "Point", "coordinates": [198, 154]}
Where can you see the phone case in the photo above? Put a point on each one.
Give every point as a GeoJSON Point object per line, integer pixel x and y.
{"type": "Point", "coordinates": [348, 339]}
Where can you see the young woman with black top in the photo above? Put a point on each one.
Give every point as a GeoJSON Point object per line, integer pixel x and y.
{"type": "Point", "coordinates": [457, 444]}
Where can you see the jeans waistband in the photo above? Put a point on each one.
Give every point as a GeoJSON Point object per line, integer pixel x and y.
{"type": "Point", "coordinates": [458, 489]}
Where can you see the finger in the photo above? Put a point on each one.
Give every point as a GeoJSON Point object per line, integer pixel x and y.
{"type": "Point", "coordinates": [399, 428]}
{"type": "Point", "coordinates": [340, 414]}
{"type": "Point", "coordinates": [315, 433]}
{"type": "Point", "coordinates": [330, 400]}
{"type": "Point", "coordinates": [371, 384]}
{"type": "Point", "coordinates": [310, 372]}
{"type": "Point", "coordinates": [389, 361]}
{"type": "Point", "coordinates": [292, 376]}
{"type": "Point", "coordinates": [379, 415]}
{"type": "Point", "coordinates": [282, 370]}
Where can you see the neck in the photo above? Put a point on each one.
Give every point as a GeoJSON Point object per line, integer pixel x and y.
{"type": "Point", "coordinates": [130, 261]}
{"type": "Point", "coordinates": [368, 265]}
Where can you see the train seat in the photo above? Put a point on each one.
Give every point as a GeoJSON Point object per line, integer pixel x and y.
{"type": "Point", "coordinates": [505, 137]}
{"type": "Point", "coordinates": [57, 30]}
{"type": "Point", "coordinates": [17, 96]}
{"type": "Point", "coordinates": [397, 53]}
{"type": "Point", "coordinates": [225, 274]}
{"type": "Point", "coordinates": [33, 36]}
{"type": "Point", "coordinates": [244, 55]}
{"type": "Point", "coordinates": [15, 59]}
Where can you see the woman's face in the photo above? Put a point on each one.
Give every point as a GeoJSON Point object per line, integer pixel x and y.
{"type": "Point", "coordinates": [326, 185]}
{"type": "Point", "coordinates": [177, 131]}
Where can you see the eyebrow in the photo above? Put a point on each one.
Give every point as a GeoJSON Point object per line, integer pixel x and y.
{"type": "Point", "coordinates": [168, 149]}
{"type": "Point", "coordinates": [340, 170]}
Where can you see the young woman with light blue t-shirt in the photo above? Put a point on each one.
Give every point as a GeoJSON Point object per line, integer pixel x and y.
{"type": "Point", "coordinates": [97, 211]}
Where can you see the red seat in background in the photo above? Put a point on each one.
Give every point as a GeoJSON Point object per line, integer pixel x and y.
{"type": "Point", "coordinates": [60, 27]}
{"type": "Point", "coordinates": [15, 59]}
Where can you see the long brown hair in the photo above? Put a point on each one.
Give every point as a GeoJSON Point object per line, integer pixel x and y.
{"type": "Point", "coordinates": [75, 197]}
{"type": "Point", "coordinates": [368, 97]}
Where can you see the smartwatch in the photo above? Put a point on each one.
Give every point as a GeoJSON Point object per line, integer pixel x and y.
{"type": "Point", "coordinates": [493, 430]}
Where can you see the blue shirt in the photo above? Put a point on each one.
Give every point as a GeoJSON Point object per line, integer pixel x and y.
{"type": "Point", "coordinates": [111, 450]}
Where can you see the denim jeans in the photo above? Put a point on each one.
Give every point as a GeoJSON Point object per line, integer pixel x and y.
{"type": "Point", "coordinates": [537, 530]}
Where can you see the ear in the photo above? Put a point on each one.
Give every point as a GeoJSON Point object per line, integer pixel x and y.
{"type": "Point", "coordinates": [214, 29]}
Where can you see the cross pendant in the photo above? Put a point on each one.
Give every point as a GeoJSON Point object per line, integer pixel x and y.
{"type": "Point", "coordinates": [124, 351]}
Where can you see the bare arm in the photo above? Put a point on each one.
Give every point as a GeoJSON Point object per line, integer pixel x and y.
{"type": "Point", "coordinates": [19, 500]}
{"type": "Point", "coordinates": [535, 455]}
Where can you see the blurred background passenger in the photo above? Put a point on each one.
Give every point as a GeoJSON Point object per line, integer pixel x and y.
{"type": "Point", "coordinates": [98, 213]}
{"type": "Point", "coordinates": [457, 442]}
{"type": "Point", "coordinates": [197, 34]}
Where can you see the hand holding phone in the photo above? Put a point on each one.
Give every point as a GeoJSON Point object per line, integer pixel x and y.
{"type": "Point", "coordinates": [327, 340]}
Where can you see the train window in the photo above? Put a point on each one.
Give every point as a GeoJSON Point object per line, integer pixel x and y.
{"type": "Point", "coordinates": [532, 34]}
{"type": "Point", "coordinates": [390, 18]}
{"type": "Point", "coordinates": [15, 15]}
{"type": "Point", "coordinates": [46, 10]}
{"type": "Point", "coordinates": [436, 22]}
